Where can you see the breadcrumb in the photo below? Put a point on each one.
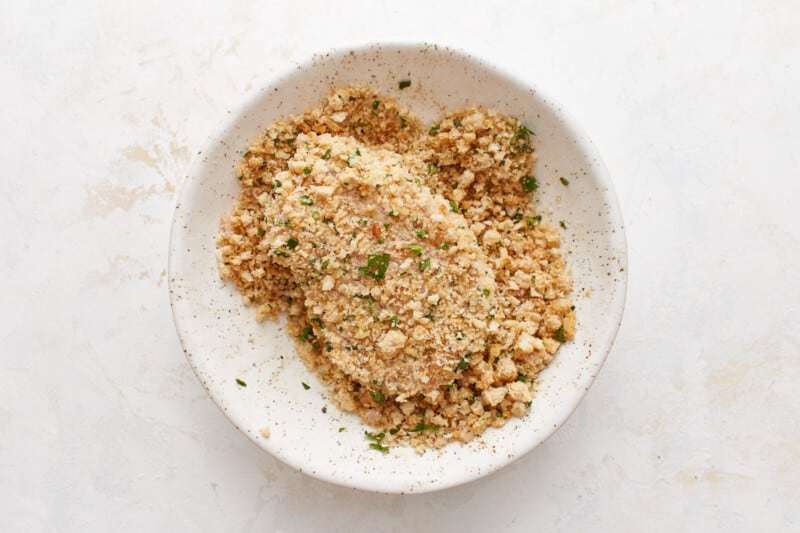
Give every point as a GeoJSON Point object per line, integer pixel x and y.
{"type": "Point", "coordinates": [421, 285]}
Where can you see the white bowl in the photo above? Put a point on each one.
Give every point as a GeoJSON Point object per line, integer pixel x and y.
{"type": "Point", "coordinates": [223, 342]}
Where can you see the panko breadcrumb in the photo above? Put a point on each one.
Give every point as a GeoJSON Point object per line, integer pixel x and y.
{"type": "Point", "coordinates": [419, 282]}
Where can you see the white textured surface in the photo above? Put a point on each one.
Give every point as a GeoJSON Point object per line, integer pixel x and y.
{"type": "Point", "coordinates": [692, 424]}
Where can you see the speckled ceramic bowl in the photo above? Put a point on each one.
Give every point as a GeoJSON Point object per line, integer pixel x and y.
{"type": "Point", "coordinates": [224, 343]}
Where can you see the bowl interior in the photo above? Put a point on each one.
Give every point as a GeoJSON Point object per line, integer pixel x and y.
{"type": "Point", "coordinates": [224, 343]}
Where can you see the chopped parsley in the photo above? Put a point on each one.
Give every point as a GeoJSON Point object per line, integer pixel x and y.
{"type": "Point", "coordinates": [261, 232]}
{"type": "Point", "coordinates": [392, 214]}
{"type": "Point", "coordinates": [517, 216]}
{"type": "Point", "coordinates": [306, 200]}
{"type": "Point", "coordinates": [432, 169]}
{"type": "Point", "coordinates": [420, 233]}
{"type": "Point", "coordinates": [529, 183]}
{"type": "Point", "coordinates": [416, 250]}
{"type": "Point", "coordinates": [434, 130]}
{"type": "Point", "coordinates": [281, 253]}
{"type": "Point", "coordinates": [341, 429]}
{"type": "Point", "coordinates": [453, 206]}
{"type": "Point", "coordinates": [394, 321]}
{"type": "Point", "coordinates": [241, 383]}
{"type": "Point", "coordinates": [327, 154]}
{"type": "Point", "coordinates": [404, 84]}
{"type": "Point", "coordinates": [564, 181]}
{"type": "Point", "coordinates": [562, 224]}
{"type": "Point", "coordinates": [378, 396]}
{"type": "Point", "coordinates": [422, 426]}
{"type": "Point", "coordinates": [559, 336]}
{"type": "Point", "coordinates": [463, 364]}
{"type": "Point", "coordinates": [486, 292]}
{"type": "Point", "coordinates": [373, 437]}
{"type": "Point", "coordinates": [276, 184]}
{"type": "Point", "coordinates": [307, 171]}
{"type": "Point", "coordinates": [457, 123]}
{"type": "Point", "coordinates": [292, 243]}
{"type": "Point", "coordinates": [375, 104]}
{"type": "Point", "coordinates": [325, 264]}
{"type": "Point", "coordinates": [305, 385]}
{"type": "Point", "coordinates": [305, 334]}
{"type": "Point", "coordinates": [445, 245]}
{"type": "Point", "coordinates": [521, 140]}
{"type": "Point", "coordinates": [377, 264]}
{"type": "Point", "coordinates": [532, 221]}
{"type": "Point", "coordinates": [379, 447]}
{"type": "Point", "coordinates": [425, 263]}
{"type": "Point", "coordinates": [522, 378]}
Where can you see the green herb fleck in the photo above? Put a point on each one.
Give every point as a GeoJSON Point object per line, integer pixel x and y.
{"type": "Point", "coordinates": [375, 104]}
{"type": "Point", "coordinates": [559, 336]}
{"type": "Point", "coordinates": [341, 429]}
{"type": "Point", "coordinates": [463, 364]}
{"type": "Point", "coordinates": [325, 264]}
{"type": "Point", "coordinates": [416, 250]}
{"type": "Point", "coordinates": [377, 264]}
{"type": "Point", "coordinates": [404, 84]}
{"type": "Point", "coordinates": [486, 292]}
{"type": "Point", "coordinates": [445, 245]}
{"type": "Point", "coordinates": [281, 253]}
{"type": "Point", "coordinates": [328, 346]}
{"type": "Point", "coordinates": [522, 378]}
{"type": "Point", "coordinates": [432, 169]}
{"type": "Point", "coordinates": [562, 224]}
{"type": "Point", "coordinates": [292, 243]}
{"type": "Point", "coordinates": [420, 233]}
{"type": "Point", "coordinates": [378, 396]}
{"type": "Point", "coordinates": [453, 206]}
{"type": "Point", "coordinates": [532, 221]}
{"type": "Point", "coordinates": [307, 171]}
{"type": "Point", "coordinates": [306, 334]}
{"type": "Point", "coordinates": [564, 181]}
{"type": "Point", "coordinates": [276, 184]}
{"type": "Point", "coordinates": [379, 447]}
{"type": "Point", "coordinates": [529, 183]}
{"type": "Point", "coordinates": [327, 154]}
{"type": "Point", "coordinates": [457, 123]}
{"type": "Point", "coordinates": [373, 437]}
{"type": "Point", "coordinates": [521, 139]}
{"type": "Point", "coordinates": [425, 263]}
{"type": "Point", "coordinates": [306, 200]}
{"type": "Point", "coordinates": [261, 232]}
{"type": "Point", "coordinates": [434, 130]}
{"type": "Point", "coordinates": [241, 383]}
{"type": "Point", "coordinates": [394, 321]}
{"type": "Point", "coordinates": [305, 385]}
{"type": "Point", "coordinates": [422, 426]}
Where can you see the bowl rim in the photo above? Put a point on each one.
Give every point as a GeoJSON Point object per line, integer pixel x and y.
{"type": "Point", "coordinates": [571, 402]}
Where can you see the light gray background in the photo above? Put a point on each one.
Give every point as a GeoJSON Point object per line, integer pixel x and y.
{"type": "Point", "coordinates": [693, 422]}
